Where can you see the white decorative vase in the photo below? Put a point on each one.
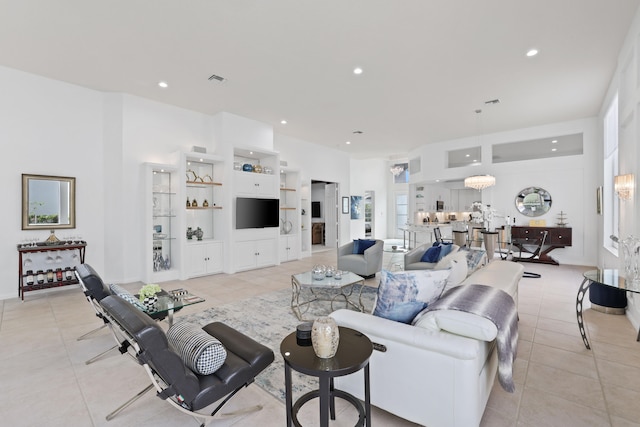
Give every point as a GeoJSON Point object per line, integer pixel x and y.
{"type": "Point", "coordinates": [150, 302]}
{"type": "Point", "coordinates": [325, 337]}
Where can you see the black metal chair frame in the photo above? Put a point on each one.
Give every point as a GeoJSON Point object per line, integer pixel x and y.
{"type": "Point", "coordinates": [93, 297]}
{"type": "Point", "coordinates": [115, 306]}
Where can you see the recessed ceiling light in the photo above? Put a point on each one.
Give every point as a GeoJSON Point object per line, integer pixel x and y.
{"type": "Point", "coordinates": [467, 155]}
{"type": "Point", "coordinates": [554, 141]}
{"type": "Point", "coordinates": [163, 84]}
{"type": "Point", "coordinates": [250, 152]}
{"type": "Point", "coordinates": [284, 122]}
{"type": "Point", "coordinates": [554, 149]}
{"type": "Point", "coordinates": [474, 160]}
{"type": "Point", "coordinates": [357, 70]}
{"type": "Point", "coordinates": [348, 142]}
{"type": "Point", "coordinates": [437, 180]}
{"type": "Point", "coordinates": [532, 52]}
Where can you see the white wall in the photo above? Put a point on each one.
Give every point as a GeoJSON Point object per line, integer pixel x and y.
{"type": "Point", "coordinates": [625, 82]}
{"type": "Point", "coordinates": [570, 180]}
{"type": "Point", "coordinates": [49, 128]}
{"type": "Point", "coordinates": [320, 164]}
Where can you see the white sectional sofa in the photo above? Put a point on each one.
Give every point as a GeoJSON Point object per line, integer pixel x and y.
{"type": "Point", "coordinates": [431, 377]}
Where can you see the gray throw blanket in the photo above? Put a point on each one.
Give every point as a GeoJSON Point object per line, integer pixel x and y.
{"type": "Point", "coordinates": [497, 306]}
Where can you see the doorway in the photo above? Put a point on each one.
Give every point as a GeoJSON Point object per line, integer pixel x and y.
{"type": "Point", "coordinates": [369, 217]}
{"type": "Point", "coordinates": [325, 216]}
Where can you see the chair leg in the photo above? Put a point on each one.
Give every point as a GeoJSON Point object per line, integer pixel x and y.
{"type": "Point", "coordinates": [94, 358]}
{"type": "Point", "coordinates": [82, 337]}
{"type": "Point", "coordinates": [113, 414]}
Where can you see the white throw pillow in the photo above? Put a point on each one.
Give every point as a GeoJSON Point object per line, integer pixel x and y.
{"type": "Point", "coordinates": [459, 323]}
{"type": "Point", "coordinates": [459, 268]}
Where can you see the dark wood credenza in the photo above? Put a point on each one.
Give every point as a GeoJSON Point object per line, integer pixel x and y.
{"type": "Point", "coordinates": [537, 242]}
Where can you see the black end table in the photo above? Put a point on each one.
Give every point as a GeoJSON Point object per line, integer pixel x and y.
{"type": "Point", "coordinates": [353, 354]}
{"type": "Point", "coordinates": [607, 277]}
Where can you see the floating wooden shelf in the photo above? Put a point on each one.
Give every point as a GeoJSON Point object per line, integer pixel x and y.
{"type": "Point", "coordinates": [287, 209]}
{"type": "Point", "coordinates": [205, 207]}
{"type": "Point", "coordinates": [198, 183]}
{"type": "Point", "coordinates": [287, 189]}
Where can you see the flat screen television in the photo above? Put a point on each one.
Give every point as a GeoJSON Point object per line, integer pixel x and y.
{"type": "Point", "coordinates": [315, 210]}
{"type": "Point", "coordinates": [257, 213]}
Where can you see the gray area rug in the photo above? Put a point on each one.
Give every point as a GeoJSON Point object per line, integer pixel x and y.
{"type": "Point", "coordinates": [268, 318]}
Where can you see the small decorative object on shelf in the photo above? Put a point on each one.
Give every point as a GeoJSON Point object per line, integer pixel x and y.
{"type": "Point", "coordinates": [40, 277]}
{"type": "Point", "coordinates": [50, 275]}
{"type": "Point", "coordinates": [318, 272]}
{"type": "Point", "coordinates": [267, 170]}
{"type": "Point", "coordinates": [205, 204]}
{"type": "Point", "coordinates": [188, 203]}
{"type": "Point", "coordinates": [68, 273]}
{"type": "Point", "coordinates": [52, 239]}
{"type": "Point", "coordinates": [194, 203]}
{"type": "Point", "coordinates": [199, 233]}
{"type": "Point", "coordinates": [237, 166]}
{"type": "Point", "coordinates": [325, 337]}
{"type": "Point", "coordinates": [191, 175]}
{"type": "Point", "coordinates": [148, 295]}
{"type": "Point", "coordinates": [59, 275]}
{"type": "Point", "coordinates": [257, 168]}
{"type": "Point", "coordinates": [562, 219]}
{"type": "Point", "coordinates": [247, 167]}
{"type": "Point", "coordinates": [189, 233]}
{"type": "Point", "coordinates": [287, 226]}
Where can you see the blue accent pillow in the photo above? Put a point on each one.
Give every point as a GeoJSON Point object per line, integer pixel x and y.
{"type": "Point", "coordinates": [403, 294]}
{"type": "Point", "coordinates": [446, 249]}
{"type": "Point", "coordinates": [361, 245]}
{"type": "Point", "coordinates": [432, 254]}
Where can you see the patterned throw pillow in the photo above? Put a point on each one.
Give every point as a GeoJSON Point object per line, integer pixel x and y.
{"type": "Point", "coordinates": [201, 352]}
{"type": "Point", "coordinates": [403, 294]}
{"type": "Point", "coordinates": [475, 257]}
{"type": "Point", "coordinates": [127, 296]}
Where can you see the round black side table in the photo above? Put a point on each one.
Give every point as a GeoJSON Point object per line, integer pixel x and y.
{"type": "Point", "coordinates": [353, 354]}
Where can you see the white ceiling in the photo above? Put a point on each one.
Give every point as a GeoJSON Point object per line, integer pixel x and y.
{"type": "Point", "coordinates": [428, 64]}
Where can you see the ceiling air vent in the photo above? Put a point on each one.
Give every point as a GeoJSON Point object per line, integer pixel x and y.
{"type": "Point", "coordinates": [215, 77]}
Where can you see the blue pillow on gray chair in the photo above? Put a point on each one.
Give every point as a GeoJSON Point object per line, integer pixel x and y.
{"type": "Point", "coordinates": [432, 254]}
{"type": "Point", "coordinates": [361, 245]}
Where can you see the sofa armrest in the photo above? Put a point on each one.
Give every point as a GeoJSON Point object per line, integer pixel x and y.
{"type": "Point", "coordinates": [386, 332]}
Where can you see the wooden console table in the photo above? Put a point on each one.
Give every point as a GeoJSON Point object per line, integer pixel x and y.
{"type": "Point", "coordinates": [47, 266]}
{"type": "Point", "coordinates": [539, 241]}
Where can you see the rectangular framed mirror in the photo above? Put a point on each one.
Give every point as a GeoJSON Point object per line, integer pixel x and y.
{"type": "Point", "coordinates": [48, 202]}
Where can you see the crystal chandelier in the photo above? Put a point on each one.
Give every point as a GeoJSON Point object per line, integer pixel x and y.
{"type": "Point", "coordinates": [480, 182]}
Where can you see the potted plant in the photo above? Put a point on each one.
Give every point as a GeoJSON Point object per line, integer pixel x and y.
{"type": "Point", "coordinates": [148, 293]}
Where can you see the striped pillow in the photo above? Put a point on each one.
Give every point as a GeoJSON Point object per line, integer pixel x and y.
{"type": "Point", "coordinates": [201, 352]}
{"type": "Point", "coordinates": [127, 296]}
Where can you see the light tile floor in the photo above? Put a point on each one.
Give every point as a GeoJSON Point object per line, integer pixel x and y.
{"type": "Point", "coordinates": [559, 383]}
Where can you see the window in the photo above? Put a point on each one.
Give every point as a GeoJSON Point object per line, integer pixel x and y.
{"type": "Point", "coordinates": [611, 203]}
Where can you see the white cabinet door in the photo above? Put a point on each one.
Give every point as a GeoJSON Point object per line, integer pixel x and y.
{"type": "Point", "coordinates": [289, 248]}
{"type": "Point", "coordinates": [266, 251]}
{"type": "Point", "coordinates": [204, 258]}
{"type": "Point", "coordinates": [244, 255]}
{"type": "Point", "coordinates": [255, 184]}
{"type": "Point", "coordinates": [196, 262]}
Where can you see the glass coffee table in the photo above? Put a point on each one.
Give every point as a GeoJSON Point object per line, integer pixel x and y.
{"type": "Point", "coordinates": [171, 301]}
{"type": "Point", "coordinates": [325, 289]}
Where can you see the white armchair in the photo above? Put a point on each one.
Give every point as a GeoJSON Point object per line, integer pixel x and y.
{"type": "Point", "coordinates": [412, 259]}
{"type": "Point", "coordinates": [365, 265]}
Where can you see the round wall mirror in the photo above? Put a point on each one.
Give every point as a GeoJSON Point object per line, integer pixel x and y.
{"type": "Point", "coordinates": [533, 201]}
